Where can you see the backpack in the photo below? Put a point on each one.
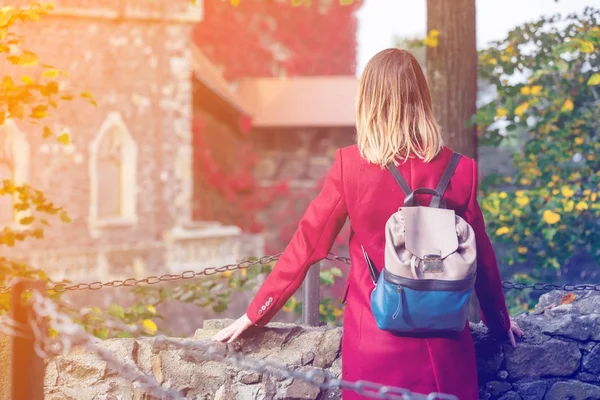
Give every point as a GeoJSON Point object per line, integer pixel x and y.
{"type": "Point", "coordinates": [430, 264]}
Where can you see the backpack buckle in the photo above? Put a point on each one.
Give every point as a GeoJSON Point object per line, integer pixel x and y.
{"type": "Point", "coordinates": [432, 263]}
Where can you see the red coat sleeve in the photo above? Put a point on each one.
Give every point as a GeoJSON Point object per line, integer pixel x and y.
{"type": "Point", "coordinates": [312, 241]}
{"type": "Point", "coordinates": [488, 285]}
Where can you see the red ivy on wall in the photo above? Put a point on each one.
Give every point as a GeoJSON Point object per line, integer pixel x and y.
{"type": "Point", "coordinates": [269, 37]}
{"type": "Point", "coordinates": [230, 193]}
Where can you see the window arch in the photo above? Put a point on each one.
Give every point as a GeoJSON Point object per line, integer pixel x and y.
{"type": "Point", "coordinates": [113, 168]}
{"type": "Point", "coordinates": [14, 166]}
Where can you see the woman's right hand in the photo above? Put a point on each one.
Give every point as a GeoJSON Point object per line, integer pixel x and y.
{"type": "Point", "coordinates": [514, 330]}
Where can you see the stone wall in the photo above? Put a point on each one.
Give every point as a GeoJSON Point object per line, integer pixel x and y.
{"type": "Point", "coordinates": [558, 359]}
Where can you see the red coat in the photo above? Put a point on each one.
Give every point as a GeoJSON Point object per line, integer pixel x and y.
{"type": "Point", "coordinates": [368, 195]}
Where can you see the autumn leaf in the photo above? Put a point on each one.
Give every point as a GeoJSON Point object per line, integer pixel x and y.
{"type": "Point", "coordinates": [64, 217]}
{"type": "Point", "coordinates": [594, 80]}
{"type": "Point", "coordinates": [26, 220]}
{"type": "Point", "coordinates": [520, 110]}
{"type": "Point", "coordinates": [88, 96]}
{"type": "Point", "coordinates": [64, 139]}
{"type": "Point", "coordinates": [501, 112]}
{"type": "Point", "coordinates": [586, 47]}
{"type": "Point", "coordinates": [567, 106]}
{"type": "Point", "coordinates": [47, 132]}
{"type": "Point", "coordinates": [151, 309]}
{"type": "Point", "coordinates": [149, 326]}
{"type": "Point", "coordinates": [50, 73]}
{"type": "Point", "coordinates": [568, 298]}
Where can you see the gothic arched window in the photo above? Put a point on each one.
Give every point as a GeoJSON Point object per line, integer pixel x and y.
{"type": "Point", "coordinates": [113, 166]}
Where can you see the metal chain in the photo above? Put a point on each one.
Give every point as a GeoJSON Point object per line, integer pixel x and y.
{"type": "Point", "coordinates": [152, 280]}
{"type": "Point", "coordinates": [47, 312]}
{"type": "Point", "coordinates": [264, 260]}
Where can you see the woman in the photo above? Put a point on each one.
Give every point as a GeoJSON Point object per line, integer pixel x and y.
{"type": "Point", "coordinates": [394, 123]}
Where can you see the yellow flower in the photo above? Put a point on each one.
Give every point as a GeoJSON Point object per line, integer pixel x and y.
{"type": "Point", "coordinates": [321, 309]}
{"type": "Point", "coordinates": [593, 196]}
{"type": "Point", "coordinates": [517, 212]}
{"type": "Point", "coordinates": [525, 181]}
{"type": "Point", "coordinates": [525, 90]}
{"type": "Point", "coordinates": [590, 157]}
{"type": "Point", "coordinates": [567, 106]}
{"type": "Point", "coordinates": [522, 201]}
{"type": "Point", "coordinates": [520, 110]}
{"type": "Point", "coordinates": [555, 178]}
{"type": "Point", "coordinates": [501, 112]}
{"type": "Point", "coordinates": [527, 232]}
{"type": "Point", "coordinates": [567, 192]}
{"type": "Point", "coordinates": [579, 140]}
{"type": "Point", "coordinates": [582, 205]}
{"type": "Point", "coordinates": [568, 205]}
{"type": "Point", "coordinates": [492, 61]}
{"type": "Point", "coordinates": [431, 42]}
{"type": "Point", "coordinates": [550, 217]}
{"type": "Point", "coordinates": [502, 231]}
{"type": "Point", "coordinates": [555, 192]}
{"type": "Point", "coordinates": [520, 193]}
{"type": "Point", "coordinates": [502, 195]}
{"type": "Point", "coordinates": [507, 179]}
{"type": "Point", "coordinates": [337, 312]}
{"type": "Point", "coordinates": [227, 274]}
{"type": "Point", "coordinates": [587, 192]}
{"type": "Point", "coordinates": [536, 89]}
{"type": "Point", "coordinates": [434, 33]}
{"type": "Point", "coordinates": [522, 250]}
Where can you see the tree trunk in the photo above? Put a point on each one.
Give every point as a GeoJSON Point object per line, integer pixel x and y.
{"type": "Point", "coordinates": [452, 71]}
{"type": "Point", "coordinates": [452, 75]}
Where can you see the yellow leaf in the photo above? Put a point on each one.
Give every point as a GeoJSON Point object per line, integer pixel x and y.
{"type": "Point", "coordinates": [567, 106]}
{"type": "Point", "coordinates": [525, 90]}
{"type": "Point", "coordinates": [149, 326]}
{"type": "Point", "coordinates": [63, 139]}
{"type": "Point", "coordinates": [579, 140]}
{"type": "Point", "coordinates": [568, 298]}
{"type": "Point", "coordinates": [581, 206]}
{"type": "Point", "coordinates": [594, 80]}
{"type": "Point", "coordinates": [520, 110]}
{"type": "Point", "coordinates": [550, 217]}
{"type": "Point", "coordinates": [567, 192]}
{"type": "Point", "coordinates": [235, 3]}
{"type": "Point", "coordinates": [47, 132]}
{"type": "Point", "coordinates": [151, 309]}
{"type": "Point", "coordinates": [6, 14]}
{"type": "Point", "coordinates": [27, 59]}
{"type": "Point", "coordinates": [536, 89]}
{"type": "Point", "coordinates": [502, 231]}
{"type": "Point", "coordinates": [64, 217]}
{"type": "Point", "coordinates": [586, 47]}
{"type": "Point", "coordinates": [522, 250]}
{"type": "Point", "coordinates": [26, 79]}
{"type": "Point", "coordinates": [51, 73]}
{"type": "Point", "coordinates": [501, 112]}
{"type": "Point", "coordinates": [26, 220]}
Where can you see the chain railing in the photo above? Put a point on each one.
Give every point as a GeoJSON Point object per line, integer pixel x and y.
{"type": "Point", "coordinates": [265, 260]}
{"type": "Point", "coordinates": [46, 314]}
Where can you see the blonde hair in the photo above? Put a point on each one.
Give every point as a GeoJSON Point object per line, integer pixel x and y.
{"type": "Point", "coordinates": [394, 117]}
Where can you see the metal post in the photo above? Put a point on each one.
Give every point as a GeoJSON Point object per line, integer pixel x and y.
{"type": "Point", "coordinates": [27, 368]}
{"type": "Point", "coordinates": [312, 296]}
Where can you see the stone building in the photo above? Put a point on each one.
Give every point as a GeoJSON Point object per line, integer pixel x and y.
{"type": "Point", "coordinates": [126, 179]}
{"type": "Point", "coordinates": [131, 178]}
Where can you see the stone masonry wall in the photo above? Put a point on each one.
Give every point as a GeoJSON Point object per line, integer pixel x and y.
{"type": "Point", "coordinates": [558, 359]}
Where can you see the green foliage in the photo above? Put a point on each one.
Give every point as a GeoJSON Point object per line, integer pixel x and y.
{"type": "Point", "coordinates": [29, 92]}
{"type": "Point", "coordinates": [546, 78]}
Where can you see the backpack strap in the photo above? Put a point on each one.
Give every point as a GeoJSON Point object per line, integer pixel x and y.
{"type": "Point", "coordinates": [443, 185]}
{"type": "Point", "coordinates": [399, 178]}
